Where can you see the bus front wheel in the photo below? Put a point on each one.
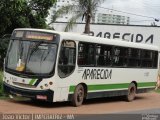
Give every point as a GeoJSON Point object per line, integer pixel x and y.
{"type": "Point", "coordinates": [78, 96]}
{"type": "Point", "coordinates": [131, 92]}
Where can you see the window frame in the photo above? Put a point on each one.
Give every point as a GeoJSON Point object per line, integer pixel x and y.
{"type": "Point", "coordinates": [128, 57]}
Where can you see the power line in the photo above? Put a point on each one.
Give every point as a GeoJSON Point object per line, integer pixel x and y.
{"type": "Point", "coordinates": [141, 20]}
{"type": "Point", "coordinates": [129, 13]}
{"type": "Point", "coordinates": [151, 3]}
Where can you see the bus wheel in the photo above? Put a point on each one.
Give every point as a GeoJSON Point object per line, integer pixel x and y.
{"type": "Point", "coordinates": [78, 96]}
{"type": "Point", "coordinates": [131, 92]}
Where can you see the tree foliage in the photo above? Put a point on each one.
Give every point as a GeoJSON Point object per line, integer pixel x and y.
{"type": "Point", "coordinates": [3, 48]}
{"type": "Point", "coordinates": [84, 9]}
{"type": "Point", "coordinates": [21, 13]}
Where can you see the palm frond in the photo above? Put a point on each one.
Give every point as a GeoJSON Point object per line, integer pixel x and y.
{"type": "Point", "coordinates": [89, 6]}
{"type": "Point", "coordinates": [82, 8]}
{"type": "Point", "coordinates": [72, 22]}
{"type": "Point", "coordinates": [95, 4]}
{"type": "Point", "coordinates": [63, 11]}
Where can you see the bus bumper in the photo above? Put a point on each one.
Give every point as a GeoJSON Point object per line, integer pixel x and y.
{"type": "Point", "coordinates": [46, 95]}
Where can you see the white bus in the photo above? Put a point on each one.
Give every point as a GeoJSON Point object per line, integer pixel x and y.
{"type": "Point", "coordinates": [56, 66]}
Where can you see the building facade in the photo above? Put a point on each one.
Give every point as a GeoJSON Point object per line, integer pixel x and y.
{"type": "Point", "coordinates": [112, 19]}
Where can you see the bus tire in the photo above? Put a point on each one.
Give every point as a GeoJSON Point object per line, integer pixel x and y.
{"type": "Point", "coordinates": [131, 92]}
{"type": "Point", "coordinates": [78, 96]}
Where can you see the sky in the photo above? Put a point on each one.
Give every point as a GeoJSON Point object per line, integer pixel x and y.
{"type": "Point", "coordinates": [148, 8]}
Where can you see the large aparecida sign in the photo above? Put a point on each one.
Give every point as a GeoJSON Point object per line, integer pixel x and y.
{"type": "Point", "coordinates": [125, 36]}
{"type": "Point", "coordinates": [132, 33]}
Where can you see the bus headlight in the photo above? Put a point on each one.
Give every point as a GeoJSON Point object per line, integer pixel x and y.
{"type": "Point", "coordinates": [46, 85]}
{"type": "Point", "coordinates": [41, 87]}
{"type": "Point", "coordinates": [50, 83]}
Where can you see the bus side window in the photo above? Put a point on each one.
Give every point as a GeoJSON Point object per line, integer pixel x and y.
{"type": "Point", "coordinates": [103, 55]}
{"type": "Point", "coordinates": [81, 55]}
{"type": "Point", "coordinates": [155, 59]}
{"type": "Point", "coordinates": [134, 57]}
{"type": "Point", "coordinates": [120, 56]}
{"type": "Point", "coordinates": [63, 59]}
{"type": "Point", "coordinates": [67, 58]}
{"type": "Point", "coordinates": [85, 54]}
{"type": "Point", "coordinates": [147, 58]}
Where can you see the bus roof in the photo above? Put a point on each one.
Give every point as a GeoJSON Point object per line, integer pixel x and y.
{"type": "Point", "coordinates": [98, 40]}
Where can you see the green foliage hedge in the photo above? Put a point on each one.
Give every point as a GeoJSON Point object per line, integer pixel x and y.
{"type": "Point", "coordinates": [1, 82]}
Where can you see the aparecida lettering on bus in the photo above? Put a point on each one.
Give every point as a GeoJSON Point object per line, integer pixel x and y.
{"type": "Point", "coordinates": [97, 74]}
{"type": "Point", "coordinates": [138, 38]}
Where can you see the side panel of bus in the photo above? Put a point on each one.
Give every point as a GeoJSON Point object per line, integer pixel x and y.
{"type": "Point", "coordinates": [106, 81]}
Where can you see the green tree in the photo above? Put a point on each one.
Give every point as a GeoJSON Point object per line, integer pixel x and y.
{"type": "Point", "coordinates": [21, 13]}
{"type": "Point", "coordinates": [3, 48]}
{"type": "Point", "coordinates": [84, 9]}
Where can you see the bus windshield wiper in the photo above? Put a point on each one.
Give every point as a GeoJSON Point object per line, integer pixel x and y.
{"type": "Point", "coordinates": [35, 49]}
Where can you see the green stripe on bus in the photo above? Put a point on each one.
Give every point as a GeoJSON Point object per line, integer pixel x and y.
{"type": "Point", "coordinates": [32, 81]}
{"type": "Point", "coordinates": [107, 86]}
{"type": "Point", "coordinates": [72, 88]}
{"type": "Point", "coordinates": [146, 84]}
{"type": "Point", "coordinates": [113, 86]}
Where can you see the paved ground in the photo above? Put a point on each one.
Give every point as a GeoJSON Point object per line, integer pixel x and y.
{"type": "Point", "coordinates": [94, 106]}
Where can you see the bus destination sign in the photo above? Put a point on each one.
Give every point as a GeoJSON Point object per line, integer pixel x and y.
{"type": "Point", "coordinates": [34, 35]}
{"type": "Point", "coordinates": [39, 36]}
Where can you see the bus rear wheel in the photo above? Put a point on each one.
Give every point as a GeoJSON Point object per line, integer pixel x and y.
{"type": "Point", "coordinates": [78, 96]}
{"type": "Point", "coordinates": [131, 92]}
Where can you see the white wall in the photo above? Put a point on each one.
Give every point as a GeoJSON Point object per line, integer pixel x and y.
{"type": "Point", "coordinates": [139, 34]}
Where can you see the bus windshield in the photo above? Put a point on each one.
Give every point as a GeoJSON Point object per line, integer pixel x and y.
{"type": "Point", "coordinates": [31, 57]}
